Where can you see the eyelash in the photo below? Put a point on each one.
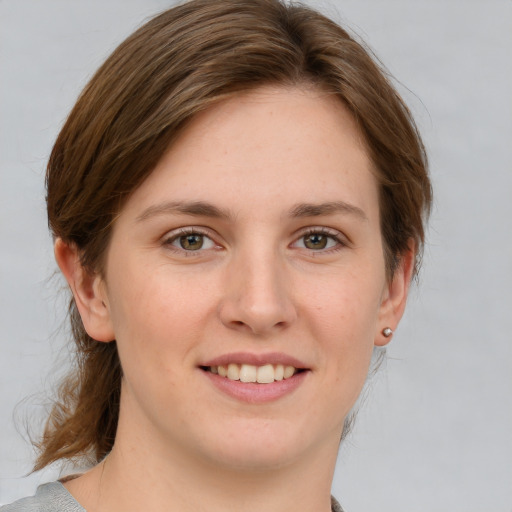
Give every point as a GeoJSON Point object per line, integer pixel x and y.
{"type": "Point", "coordinates": [333, 235]}
{"type": "Point", "coordinates": [183, 232]}
{"type": "Point", "coordinates": [189, 231]}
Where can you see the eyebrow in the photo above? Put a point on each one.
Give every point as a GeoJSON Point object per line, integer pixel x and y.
{"type": "Point", "coordinates": [197, 208]}
{"type": "Point", "coordinates": [205, 209]}
{"type": "Point", "coordinates": [329, 208]}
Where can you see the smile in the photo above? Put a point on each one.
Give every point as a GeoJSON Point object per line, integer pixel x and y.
{"type": "Point", "coordinates": [264, 374]}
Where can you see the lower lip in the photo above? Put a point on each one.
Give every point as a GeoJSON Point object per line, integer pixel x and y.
{"type": "Point", "coordinates": [254, 393]}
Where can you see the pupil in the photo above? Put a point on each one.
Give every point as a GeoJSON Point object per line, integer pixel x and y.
{"type": "Point", "coordinates": [316, 241]}
{"type": "Point", "coordinates": [191, 242]}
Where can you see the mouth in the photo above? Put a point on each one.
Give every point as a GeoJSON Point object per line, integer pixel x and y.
{"type": "Point", "coordinates": [256, 378]}
{"type": "Point", "coordinates": [262, 374]}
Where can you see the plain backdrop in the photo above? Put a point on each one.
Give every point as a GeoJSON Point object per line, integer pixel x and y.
{"type": "Point", "coordinates": [435, 433]}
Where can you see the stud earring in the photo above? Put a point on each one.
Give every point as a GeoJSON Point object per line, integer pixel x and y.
{"type": "Point", "coordinates": [387, 332]}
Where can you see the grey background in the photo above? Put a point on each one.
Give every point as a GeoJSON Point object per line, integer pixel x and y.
{"type": "Point", "coordinates": [436, 430]}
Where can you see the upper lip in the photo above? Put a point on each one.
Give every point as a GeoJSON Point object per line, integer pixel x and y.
{"type": "Point", "coordinates": [255, 359]}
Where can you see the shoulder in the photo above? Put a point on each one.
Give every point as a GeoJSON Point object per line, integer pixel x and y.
{"type": "Point", "coordinates": [52, 497]}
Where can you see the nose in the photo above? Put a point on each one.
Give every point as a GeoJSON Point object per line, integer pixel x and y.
{"type": "Point", "coordinates": [257, 297]}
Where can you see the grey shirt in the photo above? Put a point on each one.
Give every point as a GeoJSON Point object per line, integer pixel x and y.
{"type": "Point", "coordinates": [54, 497]}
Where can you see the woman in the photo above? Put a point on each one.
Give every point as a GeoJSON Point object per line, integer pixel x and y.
{"type": "Point", "coordinates": [237, 201]}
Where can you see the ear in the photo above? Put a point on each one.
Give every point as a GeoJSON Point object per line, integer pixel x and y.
{"type": "Point", "coordinates": [88, 290]}
{"type": "Point", "coordinates": [394, 297]}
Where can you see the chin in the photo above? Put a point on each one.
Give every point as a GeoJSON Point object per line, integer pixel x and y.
{"type": "Point", "coordinates": [263, 445]}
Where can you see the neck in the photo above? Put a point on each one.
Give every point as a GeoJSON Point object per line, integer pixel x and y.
{"type": "Point", "coordinates": [145, 472]}
{"type": "Point", "coordinates": [186, 485]}
{"type": "Point", "coordinates": [130, 480]}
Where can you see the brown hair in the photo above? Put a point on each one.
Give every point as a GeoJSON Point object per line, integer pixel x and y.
{"type": "Point", "coordinates": [173, 67]}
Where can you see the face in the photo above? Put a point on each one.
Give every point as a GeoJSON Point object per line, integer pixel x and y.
{"type": "Point", "coordinates": [252, 253]}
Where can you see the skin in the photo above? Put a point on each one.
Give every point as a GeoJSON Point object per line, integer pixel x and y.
{"type": "Point", "coordinates": [258, 285]}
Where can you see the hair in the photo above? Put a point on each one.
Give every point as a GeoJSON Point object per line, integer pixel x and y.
{"type": "Point", "coordinates": [178, 64]}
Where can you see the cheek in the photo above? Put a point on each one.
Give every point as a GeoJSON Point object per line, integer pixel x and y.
{"type": "Point", "coordinates": [156, 315]}
{"type": "Point", "coordinates": [141, 309]}
{"type": "Point", "coordinates": [347, 307]}
{"type": "Point", "coordinates": [343, 323]}
{"type": "Point", "coordinates": [149, 321]}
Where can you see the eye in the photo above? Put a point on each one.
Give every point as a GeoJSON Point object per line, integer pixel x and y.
{"type": "Point", "coordinates": [318, 240]}
{"type": "Point", "coordinates": [190, 241]}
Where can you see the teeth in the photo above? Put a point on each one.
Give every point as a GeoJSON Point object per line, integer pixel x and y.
{"type": "Point", "coordinates": [279, 372]}
{"type": "Point", "coordinates": [288, 371]}
{"type": "Point", "coordinates": [248, 373]}
{"type": "Point", "coordinates": [265, 374]}
{"type": "Point", "coordinates": [233, 371]}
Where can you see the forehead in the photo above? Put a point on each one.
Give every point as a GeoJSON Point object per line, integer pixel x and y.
{"type": "Point", "coordinates": [271, 146]}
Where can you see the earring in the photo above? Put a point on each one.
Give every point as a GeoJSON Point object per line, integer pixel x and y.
{"type": "Point", "coordinates": [387, 332]}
